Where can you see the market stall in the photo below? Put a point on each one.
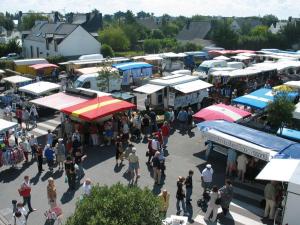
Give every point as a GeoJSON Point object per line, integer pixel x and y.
{"type": "Point", "coordinates": [289, 134]}
{"type": "Point", "coordinates": [17, 81]}
{"type": "Point", "coordinates": [221, 112]}
{"type": "Point", "coordinates": [40, 88]}
{"type": "Point", "coordinates": [97, 108]}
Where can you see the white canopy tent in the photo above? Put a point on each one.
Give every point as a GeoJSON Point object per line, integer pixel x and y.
{"type": "Point", "coordinates": [241, 57]}
{"type": "Point", "coordinates": [39, 88]}
{"type": "Point", "coordinates": [293, 84]}
{"type": "Point", "coordinates": [6, 125]}
{"type": "Point", "coordinates": [149, 88]}
{"type": "Point", "coordinates": [221, 57]}
{"type": "Point", "coordinates": [192, 86]}
{"type": "Point", "coordinates": [16, 79]}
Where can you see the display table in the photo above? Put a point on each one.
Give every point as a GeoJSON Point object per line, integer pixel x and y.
{"type": "Point", "coordinates": [175, 220]}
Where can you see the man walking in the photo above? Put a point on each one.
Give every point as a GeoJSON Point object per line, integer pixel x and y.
{"type": "Point", "coordinates": [39, 156]}
{"type": "Point", "coordinates": [25, 192]}
{"type": "Point", "coordinates": [270, 196]}
{"type": "Point", "coordinates": [156, 168]}
{"type": "Point", "coordinates": [207, 177]}
{"type": "Point", "coordinates": [182, 118]}
{"type": "Point", "coordinates": [226, 196]}
{"type": "Point", "coordinates": [49, 154]}
{"type": "Point", "coordinates": [189, 187]}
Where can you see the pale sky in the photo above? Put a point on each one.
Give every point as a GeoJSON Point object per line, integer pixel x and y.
{"type": "Point", "coordinates": [281, 8]}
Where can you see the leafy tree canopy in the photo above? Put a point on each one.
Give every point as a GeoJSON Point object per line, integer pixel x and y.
{"type": "Point", "coordinates": [28, 21]}
{"type": "Point", "coordinates": [117, 205]}
{"type": "Point", "coordinates": [115, 37]}
{"type": "Point", "coordinates": [107, 51]}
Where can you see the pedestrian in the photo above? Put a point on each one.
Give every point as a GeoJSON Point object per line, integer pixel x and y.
{"type": "Point", "coordinates": [125, 130]}
{"type": "Point", "coordinates": [213, 204]}
{"type": "Point", "coordinates": [87, 187]}
{"type": "Point", "coordinates": [231, 162]}
{"type": "Point", "coordinates": [189, 187]}
{"type": "Point", "coordinates": [49, 155]}
{"type": "Point", "coordinates": [206, 176]}
{"type": "Point", "coordinates": [76, 135]}
{"type": "Point", "coordinates": [180, 196]}
{"type": "Point", "coordinates": [19, 218]}
{"type": "Point", "coordinates": [94, 134]}
{"type": "Point", "coordinates": [19, 116]}
{"type": "Point", "coordinates": [21, 209]}
{"type": "Point", "coordinates": [172, 117]}
{"type": "Point", "coordinates": [242, 161]}
{"type": "Point", "coordinates": [68, 127]}
{"type": "Point", "coordinates": [153, 147]}
{"type": "Point", "coordinates": [33, 145]}
{"type": "Point", "coordinates": [25, 146]}
{"type": "Point", "coordinates": [270, 197]}
{"type": "Point", "coordinates": [147, 103]}
{"type": "Point", "coordinates": [79, 157]}
{"type": "Point", "coordinates": [119, 150]}
{"type": "Point", "coordinates": [108, 132]}
{"type": "Point", "coordinates": [190, 114]}
{"type": "Point", "coordinates": [134, 166]}
{"type": "Point", "coordinates": [165, 132]}
{"type": "Point", "coordinates": [136, 126]}
{"type": "Point", "coordinates": [60, 153]}
{"type": "Point", "coordinates": [25, 192]}
{"type": "Point", "coordinates": [39, 156]}
{"type": "Point", "coordinates": [153, 122]}
{"type": "Point", "coordinates": [162, 160]}
{"type": "Point", "coordinates": [146, 125]}
{"type": "Point", "coordinates": [50, 138]}
{"type": "Point", "coordinates": [182, 118]}
{"type": "Point", "coordinates": [156, 168]}
{"type": "Point", "coordinates": [34, 115]}
{"type": "Point", "coordinates": [226, 196]}
{"type": "Point", "coordinates": [164, 198]}
{"type": "Point", "coordinates": [25, 118]}
{"type": "Point", "coordinates": [70, 172]}
{"type": "Point", "coordinates": [51, 193]}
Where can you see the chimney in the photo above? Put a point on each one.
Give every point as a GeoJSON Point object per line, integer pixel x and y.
{"type": "Point", "coordinates": [88, 16]}
{"type": "Point", "coordinates": [101, 21]}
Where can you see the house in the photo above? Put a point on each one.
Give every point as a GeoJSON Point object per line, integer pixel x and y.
{"type": "Point", "coordinates": [194, 30]}
{"type": "Point", "coordinates": [249, 22]}
{"type": "Point", "coordinates": [274, 29]}
{"type": "Point", "coordinates": [59, 39]}
{"type": "Point", "coordinates": [150, 23]}
{"type": "Point", "coordinates": [92, 22]}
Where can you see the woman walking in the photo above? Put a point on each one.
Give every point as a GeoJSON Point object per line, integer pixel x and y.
{"type": "Point", "coordinates": [213, 204]}
{"type": "Point", "coordinates": [226, 196]}
{"type": "Point", "coordinates": [180, 196]}
{"type": "Point", "coordinates": [60, 153]}
{"type": "Point", "coordinates": [133, 165]}
{"type": "Point", "coordinates": [119, 150]}
{"type": "Point", "coordinates": [70, 172]}
{"type": "Point", "coordinates": [51, 193]}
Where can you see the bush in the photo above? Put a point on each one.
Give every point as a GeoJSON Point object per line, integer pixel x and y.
{"type": "Point", "coordinates": [117, 205]}
{"type": "Point", "coordinates": [152, 45]}
{"type": "Point", "coordinates": [56, 59]}
{"type": "Point", "coordinates": [107, 51]}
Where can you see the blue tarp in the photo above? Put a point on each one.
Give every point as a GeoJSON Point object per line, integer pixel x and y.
{"type": "Point", "coordinates": [131, 66]}
{"type": "Point", "coordinates": [248, 134]}
{"type": "Point", "coordinates": [289, 133]}
{"type": "Point", "coordinates": [259, 99]}
{"type": "Point", "coordinates": [292, 152]}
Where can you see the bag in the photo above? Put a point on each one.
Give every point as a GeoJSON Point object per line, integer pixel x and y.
{"type": "Point", "coordinates": [218, 201]}
{"type": "Point", "coordinates": [147, 154]}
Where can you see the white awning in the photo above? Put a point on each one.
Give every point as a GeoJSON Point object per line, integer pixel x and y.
{"type": "Point", "coordinates": [6, 125]}
{"type": "Point", "coordinates": [192, 86]}
{"type": "Point", "coordinates": [279, 170]}
{"type": "Point", "coordinates": [241, 57]}
{"type": "Point", "coordinates": [149, 88]}
{"type": "Point", "coordinates": [294, 84]}
{"type": "Point", "coordinates": [39, 88]}
{"type": "Point", "coordinates": [16, 79]}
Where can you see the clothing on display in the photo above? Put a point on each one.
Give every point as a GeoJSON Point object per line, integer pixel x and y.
{"type": "Point", "coordinates": [11, 156]}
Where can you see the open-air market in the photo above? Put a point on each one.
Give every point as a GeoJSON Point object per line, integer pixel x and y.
{"type": "Point", "coordinates": [120, 114]}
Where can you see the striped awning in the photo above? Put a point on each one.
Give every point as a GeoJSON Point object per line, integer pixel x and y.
{"type": "Point", "coordinates": [98, 108]}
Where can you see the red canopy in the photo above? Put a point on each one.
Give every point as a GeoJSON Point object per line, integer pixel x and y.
{"type": "Point", "coordinates": [43, 66]}
{"type": "Point", "coordinates": [229, 52]}
{"type": "Point", "coordinates": [221, 112]}
{"type": "Point", "coordinates": [97, 108]}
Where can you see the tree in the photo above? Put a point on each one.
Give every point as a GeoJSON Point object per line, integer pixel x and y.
{"type": "Point", "coordinates": [28, 21]}
{"type": "Point", "coordinates": [268, 20]}
{"type": "Point", "coordinates": [107, 51]}
{"type": "Point", "coordinates": [142, 14]}
{"type": "Point", "coordinates": [157, 34]}
{"type": "Point", "coordinates": [259, 31]}
{"type": "Point", "coordinates": [170, 30]}
{"type": "Point", "coordinates": [129, 17]}
{"type": "Point", "coordinates": [189, 46]}
{"type": "Point", "coordinates": [6, 22]}
{"type": "Point", "coordinates": [106, 74]}
{"type": "Point", "coordinates": [117, 205]}
{"type": "Point", "coordinates": [152, 45]}
{"type": "Point", "coordinates": [115, 37]}
{"type": "Point", "coordinates": [280, 111]}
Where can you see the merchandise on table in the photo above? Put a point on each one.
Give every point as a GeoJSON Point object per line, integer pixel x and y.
{"type": "Point", "coordinates": [11, 156]}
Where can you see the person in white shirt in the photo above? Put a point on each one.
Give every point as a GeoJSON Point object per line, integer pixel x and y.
{"type": "Point", "coordinates": [212, 205]}
{"type": "Point", "coordinates": [242, 161]}
{"type": "Point", "coordinates": [87, 187]}
{"type": "Point", "coordinates": [206, 175]}
{"type": "Point", "coordinates": [19, 218]}
{"type": "Point", "coordinates": [34, 115]}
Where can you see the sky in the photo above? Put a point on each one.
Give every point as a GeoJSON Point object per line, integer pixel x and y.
{"type": "Point", "coordinates": [281, 8]}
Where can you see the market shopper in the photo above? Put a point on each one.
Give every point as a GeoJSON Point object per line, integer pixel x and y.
{"type": "Point", "coordinates": [153, 122]}
{"type": "Point", "coordinates": [25, 146]}
{"type": "Point", "coordinates": [33, 115]}
{"type": "Point", "coordinates": [164, 198]}
{"type": "Point", "coordinates": [270, 197]}
{"type": "Point", "coordinates": [180, 196]}
{"type": "Point", "coordinates": [156, 168]}
{"type": "Point", "coordinates": [134, 166]}
{"type": "Point", "coordinates": [51, 193]}
{"type": "Point", "coordinates": [207, 176]}
{"type": "Point", "coordinates": [182, 118]}
{"type": "Point", "coordinates": [49, 155]}
{"type": "Point", "coordinates": [226, 196]}
{"type": "Point", "coordinates": [231, 162]}
{"type": "Point", "coordinates": [19, 115]}
{"type": "Point", "coordinates": [119, 150]}
{"type": "Point", "coordinates": [33, 145]}
{"type": "Point", "coordinates": [25, 192]}
{"type": "Point", "coordinates": [242, 161]}
{"type": "Point", "coordinates": [153, 147]}
{"type": "Point", "coordinates": [26, 117]}
{"type": "Point", "coordinates": [190, 114]}
{"type": "Point", "coordinates": [165, 132]}
{"type": "Point", "coordinates": [50, 137]}
{"type": "Point", "coordinates": [78, 158]}
{"type": "Point", "coordinates": [70, 173]}
{"type": "Point", "coordinates": [87, 187]}
{"type": "Point", "coordinates": [189, 187]}
{"type": "Point", "coordinates": [39, 156]}
{"type": "Point", "coordinates": [60, 152]}
{"type": "Point", "coordinates": [146, 125]}
{"type": "Point", "coordinates": [213, 204]}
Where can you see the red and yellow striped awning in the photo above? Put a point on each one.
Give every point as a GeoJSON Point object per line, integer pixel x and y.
{"type": "Point", "coordinates": [97, 108]}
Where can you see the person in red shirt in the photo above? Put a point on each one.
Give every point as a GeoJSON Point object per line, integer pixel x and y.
{"type": "Point", "coordinates": [19, 115]}
{"type": "Point", "coordinates": [165, 132]}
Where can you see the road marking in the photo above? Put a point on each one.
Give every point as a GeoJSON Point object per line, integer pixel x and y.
{"type": "Point", "coordinates": [232, 215]}
{"type": "Point", "coordinates": [247, 194]}
{"type": "Point", "coordinates": [53, 121]}
{"type": "Point", "coordinates": [47, 126]}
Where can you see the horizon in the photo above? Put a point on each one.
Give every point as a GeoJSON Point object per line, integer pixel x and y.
{"type": "Point", "coordinates": [238, 8]}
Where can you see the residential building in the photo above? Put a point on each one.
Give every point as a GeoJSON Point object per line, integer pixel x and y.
{"type": "Point", "coordinates": [59, 39]}
{"type": "Point", "coordinates": [275, 28]}
{"type": "Point", "coordinates": [92, 22]}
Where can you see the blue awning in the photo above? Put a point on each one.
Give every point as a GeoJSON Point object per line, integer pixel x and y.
{"type": "Point", "coordinates": [131, 66]}
{"type": "Point", "coordinates": [292, 152]}
{"type": "Point", "coordinates": [259, 99]}
{"type": "Point", "coordinates": [289, 133]}
{"type": "Point", "coordinates": [253, 136]}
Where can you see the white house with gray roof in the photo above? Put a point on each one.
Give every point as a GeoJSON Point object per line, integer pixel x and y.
{"type": "Point", "coordinates": [59, 39]}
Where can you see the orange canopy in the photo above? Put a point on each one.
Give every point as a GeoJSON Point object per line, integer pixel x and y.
{"type": "Point", "coordinates": [97, 108]}
{"type": "Point", "coordinates": [43, 66]}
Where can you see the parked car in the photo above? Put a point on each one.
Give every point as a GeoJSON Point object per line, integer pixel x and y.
{"type": "Point", "coordinates": [11, 56]}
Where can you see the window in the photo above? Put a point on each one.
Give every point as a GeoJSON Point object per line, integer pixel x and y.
{"type": "Point", "coordinates": [37, 52]}
{"type": "Point", "coordinates": [87, 84]}
{"type": "Point", "coordinates": [31, 51]}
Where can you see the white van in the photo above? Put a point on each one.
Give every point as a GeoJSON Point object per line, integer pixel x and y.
{"type": "Point", "coordinates": [91, 81]}
{"type": "Point", "coordinates": [206, 65]}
